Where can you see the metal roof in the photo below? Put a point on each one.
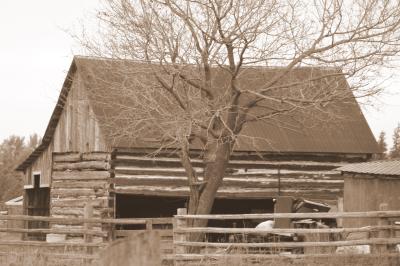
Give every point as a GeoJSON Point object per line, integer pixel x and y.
{"type": "Point", "coordinates": [384, 167]}
{"type": "Point", "coordinates": [339, 127]}
{"type": "Point", "coordinates": [284, 133]}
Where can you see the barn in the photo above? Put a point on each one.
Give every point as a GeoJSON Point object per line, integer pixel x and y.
{"type": "Point", "coordinates": [368, 185]}
{"type": "Point", "coordinates": [81, 160]}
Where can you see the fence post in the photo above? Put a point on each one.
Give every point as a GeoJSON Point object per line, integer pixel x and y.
{"type": "Point", "coordinates": [149, 224]}
{"type": "Point", "coordinates": [382, 233]}
{"type": "Point", "coordinates": [179, 237]}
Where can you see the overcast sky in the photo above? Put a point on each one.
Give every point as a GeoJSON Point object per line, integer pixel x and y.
{"type": "Point", "coordinates": [36, 52]}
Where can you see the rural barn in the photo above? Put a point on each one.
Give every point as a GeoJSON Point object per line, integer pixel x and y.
{"type": "Point", "coordinates": [83, 158]}
{"type": "Point", "coordinates": [368, 185]}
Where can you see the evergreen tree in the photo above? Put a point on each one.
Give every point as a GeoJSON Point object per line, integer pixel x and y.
{"type": "Point", "coordinates": [395, 151]}
{"type": "Point", "coordinates": [382, 145]}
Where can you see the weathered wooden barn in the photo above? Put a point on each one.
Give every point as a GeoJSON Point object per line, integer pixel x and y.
{"type": "Point", "coordinates": [368, 185]}
{"type": "Point", "coordinates": [80, 159]}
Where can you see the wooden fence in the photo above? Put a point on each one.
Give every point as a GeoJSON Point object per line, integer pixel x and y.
{"type": "Point", "coordinates": [202, 243]}
{"type": "Point", "coordinates": [88, 238]}
{"type": "Point", "coordinates": [185, 243]}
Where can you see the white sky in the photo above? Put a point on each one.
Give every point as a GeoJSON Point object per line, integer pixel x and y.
{"type": "Point", "coordinates": [36, 52]}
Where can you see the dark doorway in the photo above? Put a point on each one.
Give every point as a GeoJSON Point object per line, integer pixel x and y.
{"type": "Point", "coordinates": [133, 206]}
{"type": "Point", "coordinates": [37, 204]}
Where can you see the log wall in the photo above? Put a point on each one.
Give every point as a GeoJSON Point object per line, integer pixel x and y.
{"type": "Point", "coordinates": [245, 179]}
{"type": "Point", "coordinates": [79, 179]}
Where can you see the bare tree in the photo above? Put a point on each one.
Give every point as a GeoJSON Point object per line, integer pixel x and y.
{"type": "Point", "coordinates": [210, 67]}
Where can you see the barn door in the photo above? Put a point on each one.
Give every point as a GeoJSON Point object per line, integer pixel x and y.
{"type": "Point", "coordinates": [37, 204]}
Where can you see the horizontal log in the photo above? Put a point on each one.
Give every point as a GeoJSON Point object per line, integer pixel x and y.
{"type": "Point", "coordinates": [80, 175]}
{"type": "Point", "coordinates": [96, 156]}
{"type": "Point", "coordinates": [85, 165]}
{"type": "Point", "coordinates": [240, 155]}
{"type": "Point", "coordinates": [230, 192]}
{"type": "Point", "coordinates": [61, 192]}
{"type": "Point", "coordinates": [55, 231]}
{"type": "Point", "coordinates": [73, 211]}
{"type": "Point", "coordinates": [67, 157]}
{"type": "Point", "coordinates": [165, 161]}
{"type": "Point", "coordinates": [260, 231]}
{"type": "Point", "coordinates": [256, 182]}
{"type": "Point", "coordinates": [317, 215]}
{"type": "Point", "coordinates": [370, 241]}
{"type": "Point", "coordinates": [137, 169]}
{"type": "Point", "coordinates": [80, 184]}
{"type": "Point", "coordinates": [171, 191]}
{"type": "Point", "coordinates": [73, 202]}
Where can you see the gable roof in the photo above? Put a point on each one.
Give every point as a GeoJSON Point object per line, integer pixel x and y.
{"type": "Point", "coordinates": [350, 135]}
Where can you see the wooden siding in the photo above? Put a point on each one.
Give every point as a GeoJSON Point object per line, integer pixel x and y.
{"type": "Point", "coordinates": [164, 176]}
{"type": "Point", "coordinates": [366, 193]}
{"type": "Point", "coordinates": [77, 129]}
{"type": "Point", "coordinates": [41, 165]}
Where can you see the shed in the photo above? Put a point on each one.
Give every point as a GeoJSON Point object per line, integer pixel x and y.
{"type": "Point", "coordinates": [14, 207]}
{"type": "Point", "coordinates": [367, 185]}
{"type": "Point", "coordinates": [80, 160]}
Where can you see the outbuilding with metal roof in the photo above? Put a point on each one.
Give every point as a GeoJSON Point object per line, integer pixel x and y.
{"type": "Point", "coordinates": [368, 185]}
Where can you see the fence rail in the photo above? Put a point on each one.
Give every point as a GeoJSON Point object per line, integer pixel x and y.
{"type": "Point", "coordinates": [317, 215]}
{"type": "Point", "coordinates": [82, 231]}
{"type": "Point", "coordinates": [194, 240]}
{"type": "Point", "coordinates": [184, 239]}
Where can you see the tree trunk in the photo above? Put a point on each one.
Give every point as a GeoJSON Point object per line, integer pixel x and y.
{"type": "Point", "coordinates": [216, 160]}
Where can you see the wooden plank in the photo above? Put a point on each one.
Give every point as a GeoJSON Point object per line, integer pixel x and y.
{"type": "Point", "coordinates": [80, 175]}
{"type": "Point", "coordinates": [242, 256]}
{"type": "Point", "coordinates": [320, 215]}
{"type": "Point", "coordinates": [161, 232]}
{"type": "Point", "coordinates": [85, 165]}
{"type": "Point", "coordinates": [55, 231]}
{"type": "Point", "coordinates": [47, 244]}
{"type": "Point", "coordinates": [222, 230]}
{"type": "Point", "coordinates": [65, 255]}
{"type": "Point", "coordinates": [370, 241]}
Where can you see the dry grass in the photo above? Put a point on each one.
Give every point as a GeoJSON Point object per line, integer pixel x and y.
{"type": "Point", "coordinates": [333, 260]}
{"type": "Point", "coordinates": [34, 256]}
